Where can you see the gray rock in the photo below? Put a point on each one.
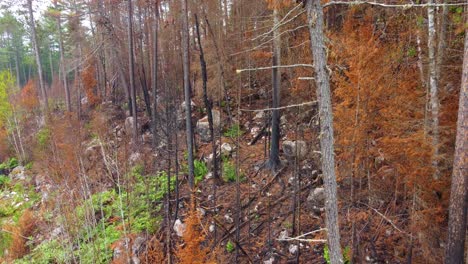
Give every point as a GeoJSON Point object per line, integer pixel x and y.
{"type": "Point", "coordinates": [121, 247]}
{"type": "Point", "coordinates": [179, 228]}
{"type": "Point", "coordinates": [211, 228]}
{"type": "Point", "coordinates": [18, 173]}
{"type": "Point", "coordinates": [226, 149]}
{"type": "Point", "coordinates": [283, 120]}
{"type": "Point", "coordinates": [292, 147]}
{"type": "Point", "coordinates": [203, 126]}
{"type": "Point", "coordinates": [271, 260]}
{"type": "Point", "coordinates": [293, 249]}
{"type": "Point", "coordinates": [228, 219]}
{"type": "Point", "coordinates": [259, 116]}
{"type": "Point", "coordinates": [317, 197]}
{"type": "Point", "coordinates": [138, 245]}
{"type": "Point", "coordinates": [134, 158]}
{"type": "Point", "coordinates": [283, 235]}
{"type": "Point", "coordinates": [129, 121]}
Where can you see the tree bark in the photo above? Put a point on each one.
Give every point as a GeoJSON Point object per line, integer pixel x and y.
{"type": "Point", "coordinates": [131, 71]}
{"type": "Point", "coordinates": [154, 83]}
{"type": "Point", "coordinates": [315, 21]}
{"type": "Point", "coordinates": [188, 109]}
{"type": "Point", "coordinates": [459, 190]}
{"type": "Point", "coordinates": [62, 62]}
{"type": "Point", "coordinates": [45, 102]}
{"type": "Point", "coordinates": [274, 160]}
{"type": "Point", "coordinates": [208, 102]}
{"type": "Point", "coordinates": [433, 87]}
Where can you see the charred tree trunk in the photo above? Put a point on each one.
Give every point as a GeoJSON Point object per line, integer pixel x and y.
{"type": "Point", "coordinates": [131, 71]}
{"type": "Point", "coordinates": [208, 103]}
{"type": "Point", "coordinates": [187, 92]}
{"type": "Point", "coordinates": [154, 82]}
{"type": "Point", "coordinates": [274, 160]}
{"type": "Point", "coordinates": [315, 21]}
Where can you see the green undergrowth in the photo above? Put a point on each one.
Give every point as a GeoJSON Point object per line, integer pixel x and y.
{"type": "Point", "coordinates": [15, 198]}
{"type": "Point", "coordinates": [106, 217]}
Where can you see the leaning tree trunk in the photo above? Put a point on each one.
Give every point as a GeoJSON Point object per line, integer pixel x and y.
{"type": "Point", "coordinates": [45, 102]}
{"type": "Point", "coordinates": [274, 160]}
{"type": "Point", "coordinates": [188, 106]}
{"type": "Point", "coordinates": [434, 98]}
{"type": "Point", "coordinates": [459, 190]}
{"type": "Point", "coordinates": [131, 70]}
{"type": "Point", "coordinates": [315, 21]}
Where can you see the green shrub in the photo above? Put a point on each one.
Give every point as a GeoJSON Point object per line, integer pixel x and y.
{"type": "Point", "coordinates": [9, 164]}
{"type": "Point", "coordinates": [229, 171]}
{"type": "Point", "coordinates": [200, 170]}
{"type": "Point", "coordinates": [43, 137]}
{"type": "Point", "coordinates": [234, 131]}
{"type": "Point", "coordinates": [4, 180]}
{"type": "Point", "coordinates": [230, 247]}
{"type": "Point", "coordinates": [346, 251]}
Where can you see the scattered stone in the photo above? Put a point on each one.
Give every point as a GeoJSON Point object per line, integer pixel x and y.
{"type": "Point", "coordinates": [134, 157]}
{"type": "Point", "coordinates": [226, 149]}
{"type": "Point", "coordinates": [121, 247]}
{"type": "Point", "coordinates": [179, 228]}
{"type": "Point", "coordinates": [84, 100]}
{"type": "Point", "coordinates": [271, 260]}
{"type": "Point", "coordinates": [138, 245]}
{"type": "Point", "coordinates": [210, 197]}
{"type": "Point", "coordinates": [203, 126]}
{"type": "Point", "coordinates": [129, 121]}
{"type": "Point", "coordinates": [56, 232]}
{"type": "Point", "coordinates": [291, 148]}
{"type": "Point", "coordinates": [317, 197]}
{"type": "Point", "coordinates": [283, 235]}
{"type": "Point", "coordinates": [228, 219]}
{"type": "Point", "coordinates": [254, 131]}
{"type": "Point", "coordinates": [201, 211]}
{"type": "Point", "coordinates": [293, 249]}
{"type": "Point", "coordinates": [18, 173]}
{"type": "Point", "coordinates": [283, 120]}
{"type": "Point", "coordinates": [211, 228]}
{"type": "Point", "coordinates": [135, 260]}
{"type": "Point", "coordinates": [209, 175]}
{"type": "Point", "coordinates": [259, 116]}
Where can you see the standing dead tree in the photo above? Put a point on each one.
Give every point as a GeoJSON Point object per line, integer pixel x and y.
{"type": "Point", "coordinates": [322, 80]}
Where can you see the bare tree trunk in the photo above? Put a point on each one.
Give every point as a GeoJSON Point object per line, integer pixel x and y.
{"type": "Point", "coordinates": [188, 109]}
{"type": "Point", "coordinates": [274, 160]}
{"type": "Point", "coordinates": [18, 78]}
{"type": "Point", "coordinates": [131, 71]}
{"type": "Point", "coordinates": [315, 21]}
{"type": "Point", "coordinates": [434, 98]}
{"type": "Point", "coordinates": [208, 102]}
{"type": "Point", "coordinates": [459, 190]}
{"type": "Point", "coordinates": [51, 64]}
{"type": "Point", "coordinates": [154, 82]}
{"type": "Point", "coordinates": [32, 24]}
{"type": "Point", "coordinates": [62, 62]}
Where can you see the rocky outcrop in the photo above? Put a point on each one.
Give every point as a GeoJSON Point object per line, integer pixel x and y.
{"type": "Point", "coordinates": [291, 148]}
{"type": "Point", "coordinates": [203, 126]}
